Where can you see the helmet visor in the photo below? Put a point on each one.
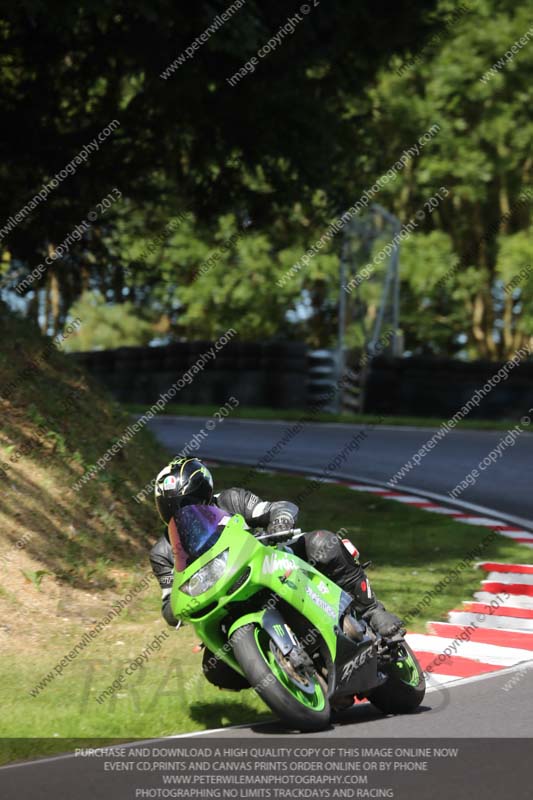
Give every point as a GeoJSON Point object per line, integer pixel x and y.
{"type": "Point", "coordinates": [192, 531]}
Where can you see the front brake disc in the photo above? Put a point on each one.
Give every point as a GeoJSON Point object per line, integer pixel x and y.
{"type": "Point", "coordinates": [302, 679]}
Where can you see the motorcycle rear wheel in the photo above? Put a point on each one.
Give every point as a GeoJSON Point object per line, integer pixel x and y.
{"type": "Point", "coordinates": [405, 687]}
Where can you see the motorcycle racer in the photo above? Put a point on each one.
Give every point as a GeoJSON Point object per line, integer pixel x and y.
{"type": "Point", "coordinates": [187, 481]}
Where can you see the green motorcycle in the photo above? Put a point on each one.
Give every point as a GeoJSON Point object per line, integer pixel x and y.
{"type": "Point", "coordinates": [282, 624]}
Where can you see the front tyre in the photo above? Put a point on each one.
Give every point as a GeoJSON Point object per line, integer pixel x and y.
{"type": "Point", "coordinates": [405, 687]}
{"type": "Point", "coordinates": [297, 698]}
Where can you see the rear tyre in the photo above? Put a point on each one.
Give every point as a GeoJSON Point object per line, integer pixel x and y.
{"type": "Point", "coordinates": [298, 699]}
{"type": "Point", "coordinates": [405, 687]}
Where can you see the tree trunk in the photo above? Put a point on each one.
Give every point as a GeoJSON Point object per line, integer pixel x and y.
{"type": "Point", "coordinates": [507, 330]}
{"type": "Point", "coordinates": [478, 328]}
{"type": "Point", "coordinates": [55, 302]}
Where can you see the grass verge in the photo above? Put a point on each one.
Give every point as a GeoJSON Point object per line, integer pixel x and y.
{"type": "Point", "coordinates": [290, 414]}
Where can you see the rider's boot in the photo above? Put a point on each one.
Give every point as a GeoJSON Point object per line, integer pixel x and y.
{"type": "Point", "coordinates": [370, 609]}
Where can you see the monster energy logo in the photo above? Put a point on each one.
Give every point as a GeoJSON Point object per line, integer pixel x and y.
{"type": "Point", "coordinates": [279, 629]}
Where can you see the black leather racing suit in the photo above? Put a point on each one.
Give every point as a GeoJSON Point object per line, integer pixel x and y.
{"type": "Point", "coordinates": [323, 549]}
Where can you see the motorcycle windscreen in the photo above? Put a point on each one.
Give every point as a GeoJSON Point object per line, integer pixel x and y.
{"type": "Point", "coordinates": [192, 531]}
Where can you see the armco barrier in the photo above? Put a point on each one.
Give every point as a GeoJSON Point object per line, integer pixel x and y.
{"type": "Point", "coordinates": [269, 374]}
{"type": "Point", "coordinates": [434, 387]}
{"type": "Point", "coordinates": [289, 375]}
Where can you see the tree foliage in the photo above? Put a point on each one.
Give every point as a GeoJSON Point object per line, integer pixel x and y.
{"type": "Point", "coordinates": [483, 155]}
{"type": "Point", "coordinates": [187, 142]}
{"type": "Point", "coordinates": [106, 326]}
{"type": "Point", "coordinates": [256, 172]}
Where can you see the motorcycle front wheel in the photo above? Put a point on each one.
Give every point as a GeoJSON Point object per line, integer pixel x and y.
{"type": "Point", "coordinates": [297, 697]}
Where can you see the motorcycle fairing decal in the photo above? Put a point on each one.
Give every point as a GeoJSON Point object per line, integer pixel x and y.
{"type": "Point", "coordinates": [276, 562]}
{"type": "Point", "coordinates": [321, 603]}
{"type": "Point", "coordinates": [279, 632]}
{"type": "Point", "coordinates": [273, 623]}
{"type": "Point", "coordinates": [355, 668]}
{"type": "Point", "coordinates": [287, 582]}
{"type": "Point", "coordinates": [356, 662]}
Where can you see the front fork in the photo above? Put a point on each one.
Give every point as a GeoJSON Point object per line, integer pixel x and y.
{"type": "Point", "coordinates": [273, 623]}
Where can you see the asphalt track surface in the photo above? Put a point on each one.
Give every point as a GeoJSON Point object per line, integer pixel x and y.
{"type": "Point", "coordinates": [473, 707]}
{"type": "Point", "coordinates": [481, 707]}
{"type": "Point", "coordinates": [506, 486]}
{"type": "Point", "coordinates": [478, 708]}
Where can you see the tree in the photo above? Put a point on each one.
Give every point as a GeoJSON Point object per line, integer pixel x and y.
{"type": "Point", "coordinates": [483, 155]}
{"type": "Point", "coordinates": [105, 326]}
{"type": "Point", "coordinates": [187, 141]}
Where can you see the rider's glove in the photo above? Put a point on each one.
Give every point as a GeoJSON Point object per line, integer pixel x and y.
{"type": "Point", "coordinates": [284, 523]}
